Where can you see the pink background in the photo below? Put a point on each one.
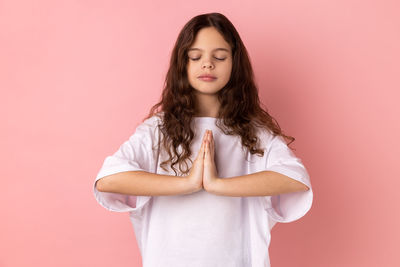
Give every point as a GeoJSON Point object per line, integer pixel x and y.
{"type": "Point", "coordinates": [77, 77]}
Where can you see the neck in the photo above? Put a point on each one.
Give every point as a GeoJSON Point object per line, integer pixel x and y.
{"type": "Point", "coordinates": [207, 105]}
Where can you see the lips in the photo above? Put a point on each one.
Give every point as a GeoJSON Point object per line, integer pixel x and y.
{"type": "Point", "coordinates": [207, 79]}
{"type": "Point", "coordinates": [207, 76]}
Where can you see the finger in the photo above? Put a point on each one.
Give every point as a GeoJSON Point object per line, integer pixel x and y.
{"type": "Point", "coordinates": [212, 141]}
{"type": "Point", "coordinates": [206, 150]}
{"type": "Point", "coordinates": [204, 138]}
{"type": "Point", "coordinates": [212, 151]}
{"type": "Point", "coordinates": [205, 135]}
{"type": "Point", "coordinates": [201, 153]}
{"type": "Point", "coordinates": [207, 145]}
{"type": "Point", "coordinates": [201, 150]}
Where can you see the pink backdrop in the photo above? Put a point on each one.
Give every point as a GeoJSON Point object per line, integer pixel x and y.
{"type": "Point", "coordinates": [76, 78]}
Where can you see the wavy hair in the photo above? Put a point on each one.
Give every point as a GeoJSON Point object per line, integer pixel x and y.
{"type": "Point", "coordinates": [240, 111]}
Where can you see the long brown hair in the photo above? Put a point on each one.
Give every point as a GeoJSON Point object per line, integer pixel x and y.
{"type": "Point", "coordinates": [240, 111]}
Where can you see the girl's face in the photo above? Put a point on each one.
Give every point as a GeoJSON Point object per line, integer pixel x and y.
{"type": "Point", "coordinates": [209, 54]}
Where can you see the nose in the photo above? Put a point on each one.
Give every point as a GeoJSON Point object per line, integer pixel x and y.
{"type": "Point", "coordinates": [208, 65]}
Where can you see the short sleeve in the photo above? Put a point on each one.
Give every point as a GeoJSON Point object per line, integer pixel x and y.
{"type": "Point", "coordinates": [292, 206]}
{"type": "Point", "coordinates": [135, 154]}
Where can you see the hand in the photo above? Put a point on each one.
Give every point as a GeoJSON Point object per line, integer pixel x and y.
{"type": "Point", "coordinates": [210, 173]}
{"type": "Point", "coordinates": [195, 176]}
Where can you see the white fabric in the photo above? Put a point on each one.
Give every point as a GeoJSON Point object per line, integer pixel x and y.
{"type": "Point", "coordinates": [203, 229]}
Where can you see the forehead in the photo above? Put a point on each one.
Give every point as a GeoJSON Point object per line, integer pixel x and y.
{"type": "Point", "coordinates": [215, 49]}
{"type": "Point", "coordinates": [209, 39]}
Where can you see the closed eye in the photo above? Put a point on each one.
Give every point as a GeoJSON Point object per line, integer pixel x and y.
{"type": "Point", "coordinates": [194, 59]}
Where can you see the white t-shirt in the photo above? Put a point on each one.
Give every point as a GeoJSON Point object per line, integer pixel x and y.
{"type": "Point", "coordinates": [202, 229]}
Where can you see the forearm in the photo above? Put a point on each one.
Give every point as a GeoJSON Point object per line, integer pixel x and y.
{"type": "Point", "coordinates": [144, 184]}
{"type": "Point", "coordinates": [265, 183]}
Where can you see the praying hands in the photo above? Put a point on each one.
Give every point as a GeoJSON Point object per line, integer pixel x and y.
{"type": "Point", "coordinates": [203, 173]}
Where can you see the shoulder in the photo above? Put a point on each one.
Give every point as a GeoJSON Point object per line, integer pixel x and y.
{"type": "Point", "coordinates": [266, 137]}
{"type": "Point", "coordinates": [149, 128]}
{"type": "Point", "coordinates": [152, 122]}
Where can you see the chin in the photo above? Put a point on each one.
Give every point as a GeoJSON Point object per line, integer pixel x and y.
{"type": "Point", "coordinates": [207, 91]}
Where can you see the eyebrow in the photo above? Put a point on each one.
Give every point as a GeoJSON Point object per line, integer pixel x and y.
{"type": "Point", "coordinates": [216, 49]}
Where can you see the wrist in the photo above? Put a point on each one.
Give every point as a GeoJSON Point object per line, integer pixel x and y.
{"type": "Point", "coordinates": [213, 185]}
{"type": "Point", "coordinates": [190, 186]}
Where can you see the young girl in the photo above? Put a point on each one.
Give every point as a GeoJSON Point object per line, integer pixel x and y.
{"type": "Point", "coordinates": [206, 177]}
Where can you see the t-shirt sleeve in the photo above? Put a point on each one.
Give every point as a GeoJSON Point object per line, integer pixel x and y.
{"type": "Point", "coordinates": [135, 154]}
{"type": "Point", "coordinates": [292, 206]}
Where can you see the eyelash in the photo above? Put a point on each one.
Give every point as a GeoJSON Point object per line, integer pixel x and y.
{"type": "Point", "coordinates": [221, 59]}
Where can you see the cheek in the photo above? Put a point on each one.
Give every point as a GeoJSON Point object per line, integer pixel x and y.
{"type": "Point", "coordinates": [189, 68]}
{"type": "Point", "coordinates": [228, 70]}
{"type": "Point", "coordinates": [190, 73]}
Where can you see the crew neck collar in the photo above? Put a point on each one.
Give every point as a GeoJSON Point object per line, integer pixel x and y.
{"type": "Point", "coordinates": [204, 118]}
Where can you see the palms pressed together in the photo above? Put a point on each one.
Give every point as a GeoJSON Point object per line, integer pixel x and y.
{"type": "Point", "coordinates": [204, 171]}
{"type": "Point", "coordinates": [210, 173]}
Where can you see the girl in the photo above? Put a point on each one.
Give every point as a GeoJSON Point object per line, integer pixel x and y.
{"type": "Point", "coordinates": [214, 207]}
